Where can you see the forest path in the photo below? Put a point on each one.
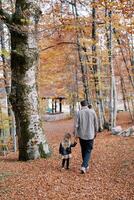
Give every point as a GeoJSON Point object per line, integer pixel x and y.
{"type": "Point", "coordinates": [111, 174]}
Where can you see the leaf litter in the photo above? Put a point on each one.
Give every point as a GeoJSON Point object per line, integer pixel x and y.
{"type": "Point", "coordinates": [111, 174]}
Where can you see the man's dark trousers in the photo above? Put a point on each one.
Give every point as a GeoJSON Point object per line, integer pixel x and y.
{"type": "Point", "coordinates": [86, 148]}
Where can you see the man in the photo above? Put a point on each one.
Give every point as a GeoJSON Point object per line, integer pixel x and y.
{"type": "Point", "coordinates": [86, 125]}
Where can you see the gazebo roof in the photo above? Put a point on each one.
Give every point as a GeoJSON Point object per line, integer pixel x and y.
{"type": "Point", "coordinates": [53, 97]}
{"type": "Point", "coordinates": [50, 94]}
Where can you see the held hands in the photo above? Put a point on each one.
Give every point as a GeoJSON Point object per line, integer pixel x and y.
{"type": "Point", "coordinates": [76, 139]}
{"type": "Point", "coordinates": [95, 135]}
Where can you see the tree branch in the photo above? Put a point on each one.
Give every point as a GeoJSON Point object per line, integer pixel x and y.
{"type": "Point", "coordinates": [60, 43]}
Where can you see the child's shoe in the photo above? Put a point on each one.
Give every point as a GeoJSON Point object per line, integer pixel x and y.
{"type": "Point", "coordinates": [62, 169]}
{"type": "Point", "coordinates": [67, 168]}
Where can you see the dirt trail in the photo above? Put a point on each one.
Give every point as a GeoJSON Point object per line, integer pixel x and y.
{"type": "Point", "coordinates": [111, 175]}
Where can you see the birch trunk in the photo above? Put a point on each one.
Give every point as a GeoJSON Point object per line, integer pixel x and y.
{"type": "Point", "coordinates": [132, 56]}
{"type": "Point", "coordinates": [96, 72]}
{"type": "Point", "coordinates": [5, 87]}
{"type": "Point", "coordinates": [113, 95]}
{"type": "Point", "coordinates": [24, 95]}
{"type": "Point", "coordinates": [24, 67]}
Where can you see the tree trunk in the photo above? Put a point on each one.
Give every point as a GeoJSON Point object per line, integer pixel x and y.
{"type": "Point", "coordinates": [113, 96]}
{"type": "Point", "coordinates": [96, 72]}
{"type": "Point", "coordinates": [84, 68]}
{"type": "Point", "coordinates": [24, 96]}
{"type": "Point", "coordinates": [123, 93]}
{"type": "Point", "coordinates": [5, 87]}
{"type": "Point", "coordinates": [124, 59]}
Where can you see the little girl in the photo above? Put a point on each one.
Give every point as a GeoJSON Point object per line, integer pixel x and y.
{"type": "Point", "coordinates": [65, 150]}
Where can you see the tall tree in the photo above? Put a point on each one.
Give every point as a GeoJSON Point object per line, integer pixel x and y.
{"type": "Point", "coordinates": [113, 95]}
{"type": "Point", "coordinates": [96, 71]}
{"type": "Point", "coordinates": [83, 66]}
{"type": "Point", "coordinates": [22, 25]}
{"type": "Point", "coordinates": [7, 85]}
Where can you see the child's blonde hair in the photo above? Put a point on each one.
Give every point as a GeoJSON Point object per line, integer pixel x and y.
{"type": "Point", "coordinates": [67, 136]}
{"type": "Point", "coordinates": [66, 140]}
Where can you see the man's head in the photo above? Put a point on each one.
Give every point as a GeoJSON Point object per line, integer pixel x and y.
{"type": "Point", "coordinates": [84, 103]}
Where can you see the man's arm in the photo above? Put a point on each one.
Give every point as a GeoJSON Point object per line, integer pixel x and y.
{"type": "Point", "coordinates": [76, 125]}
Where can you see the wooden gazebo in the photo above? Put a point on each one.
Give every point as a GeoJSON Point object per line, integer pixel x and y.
{"type": "Point", "coordinates": [55, 100]}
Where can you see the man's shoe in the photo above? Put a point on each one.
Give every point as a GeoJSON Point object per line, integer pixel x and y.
{"type": "Point", "coordinates": [83, 170]}
{"type": "Point", "coordinates": [87, 169]}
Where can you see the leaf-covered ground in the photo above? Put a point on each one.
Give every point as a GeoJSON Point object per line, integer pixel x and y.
{"type": "Point", "coordinates": [111, 174]}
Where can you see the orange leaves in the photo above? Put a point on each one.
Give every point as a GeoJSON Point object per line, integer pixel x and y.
{"type": "Point", "coordinates": [63, 30]}
{"type": "Point", "coordinates": [43, 179]}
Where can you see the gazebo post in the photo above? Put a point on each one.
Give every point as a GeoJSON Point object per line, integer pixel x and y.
{"type": "Point", "coordinates": [60, 104]}
{"type": "Point", "coordinates": [55, 106]}
{"type": "Point", "coordinates": [55, 100]}
{"type": "Point", "coordinates": [52, 105]}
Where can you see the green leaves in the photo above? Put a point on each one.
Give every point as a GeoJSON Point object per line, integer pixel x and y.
{"type": "Point", "coordinates": [5, 53]}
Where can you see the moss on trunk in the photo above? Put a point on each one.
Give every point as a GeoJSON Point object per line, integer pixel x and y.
{"type": "Point", "coordinates": [22, 25]}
